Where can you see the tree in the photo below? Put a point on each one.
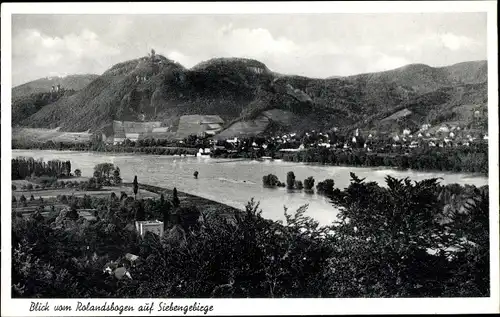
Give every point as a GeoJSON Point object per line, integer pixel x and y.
{"type": "Point", "coordinates": [104, 169]}
{"type": "Point", "coordinates": [270, 180]}
{"type": "Point", "coordinates": [175, 199]}
{"type": "Point", "coordinates": [78, 173]}
{"type": "Point", "coordinates": [195, 174]}
{"type": "Point", "coordinates": [14, 199]}
{"type": "Point", "coordinates": [309, 183]}
{"type": "Point", "coordinates": [290, 180]}
{"type": "Point", "coordinates": [116, 176]}
{"type": "Point", "coordinates": [14, 187]}
{"type": "Point", "coordinates": [140, 214]}
{"type": "Point", "coordinates": [136, 186]}
{"type": "Point", "coordinates": [123, 196]}
{"type": "Point", "coordinates": [325, 187]}
{"type": "Point", "coordinates": [32, 198]}
{"type": "Point", "coordinates": [165, 208]}
{"type": "Point", "coordinates": [68, 168]}
{"type": "Point", "coordinates": [299, 185]}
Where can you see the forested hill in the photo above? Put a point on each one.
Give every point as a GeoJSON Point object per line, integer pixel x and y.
{"type": "Point", "coordinates": [244, 89]}
{"type": "Point", "coordinates": [43, 85]}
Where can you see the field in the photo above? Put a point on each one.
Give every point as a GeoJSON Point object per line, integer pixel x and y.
{"type": "Point", "coordinates": [45, 135]}
{"type": "Point", "coordinates": [105, 192]}
{"type": "Point", "coordinates": [243, 129]}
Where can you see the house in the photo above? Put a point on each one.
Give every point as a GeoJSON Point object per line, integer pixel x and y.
{"type": "Point", "coordinates": [485, 137]}
{"type": "Point", "coordinates": [451, 135]}
{"type": "Point", "coordinates": [432, 144]}
{"type": "Point", "coordinates": [406, 132]}
{"type": "Point", "coordinates": [153, 226]}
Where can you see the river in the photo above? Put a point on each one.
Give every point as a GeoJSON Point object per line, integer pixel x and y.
{"type": "Point", "coordinates": [234, 182]}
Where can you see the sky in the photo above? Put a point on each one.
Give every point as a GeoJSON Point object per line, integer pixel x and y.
{"type": "Point", "coordinates": [313, 45]}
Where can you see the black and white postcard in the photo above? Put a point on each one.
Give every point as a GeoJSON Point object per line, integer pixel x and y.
{"type": "Point", "coordinates": [249, 158]}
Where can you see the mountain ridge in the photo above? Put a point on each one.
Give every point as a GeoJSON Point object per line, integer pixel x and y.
{"type": "Point", "coordinates": [240, 89]}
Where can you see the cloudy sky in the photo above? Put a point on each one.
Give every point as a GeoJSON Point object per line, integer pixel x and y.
{"type": "Point", "coordinates": [319, 45]}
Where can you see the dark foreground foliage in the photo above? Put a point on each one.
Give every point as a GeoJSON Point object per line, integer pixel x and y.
{"type": "Point", "coordinates": [407, 239]}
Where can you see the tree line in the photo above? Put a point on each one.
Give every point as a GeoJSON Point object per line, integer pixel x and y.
{"type": "Point", "coordinates": [474, 160]}
{"type": "Point", "coordinates": [26, 167]}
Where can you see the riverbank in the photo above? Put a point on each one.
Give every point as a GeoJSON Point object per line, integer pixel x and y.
{"type": "Point", "coordinates": [473, 159]}
{"type": "Point", "coordinates": [188, 200]}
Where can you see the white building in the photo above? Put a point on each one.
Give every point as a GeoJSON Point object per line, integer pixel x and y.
{"type": "Point", "coordinates": [153, 226]}
{"type": "Point", "coordinates": [406, 132]}
{"type": "Point", "coordinates": [451, 135]}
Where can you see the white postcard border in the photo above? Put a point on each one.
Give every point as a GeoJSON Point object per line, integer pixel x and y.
{"type": "Point", "coordinates": [20, 307]}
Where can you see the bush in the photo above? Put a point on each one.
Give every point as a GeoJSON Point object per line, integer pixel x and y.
{"type": "Point", "coordinates": [299, 185]}
{"type": "Point", "coordinates": [325, 187]}
{"type": "Point", "coordinates": [309, 183]}
{"type": "Point", "coordinates": [270, 180]}
{"type": "Point", "coordinates": [29, 186]}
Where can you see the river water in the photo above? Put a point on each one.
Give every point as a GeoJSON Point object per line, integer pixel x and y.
{"type": "Point", "coordinates": [234, 182]}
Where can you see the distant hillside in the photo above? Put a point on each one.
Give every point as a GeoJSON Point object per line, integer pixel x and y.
{"type": "Point", "coordinates": [25, 106]}
{"type": "Point", "coordinates": [250, 98]}
{"type": "Point", "coordinates": [71, 82]}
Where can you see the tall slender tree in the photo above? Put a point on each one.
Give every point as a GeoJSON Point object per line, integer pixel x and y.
{"type": "Point", "coordinates": [136, 187]}
{"type": "Point", "coordinates": [175, 199]}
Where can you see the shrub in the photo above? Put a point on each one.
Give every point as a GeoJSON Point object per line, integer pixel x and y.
{"type": "Point", "coordinates": [309, 183]}
{"type": "Point", "coordinates": [325, 187]}
{"type": "Point", "coordinates": [299, 185]}
{"type": "Point", "coordinates": [270, 180]}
